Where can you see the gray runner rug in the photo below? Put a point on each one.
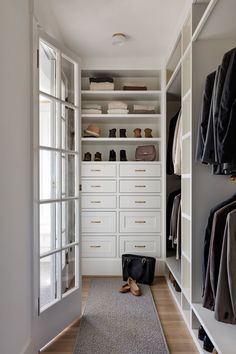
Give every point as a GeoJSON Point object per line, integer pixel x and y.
{"type": "Point", "coordinates": [115, 323]}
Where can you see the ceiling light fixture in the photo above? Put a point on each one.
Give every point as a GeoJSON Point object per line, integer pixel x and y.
{"type": "Point", "coordinates": [118, 39]}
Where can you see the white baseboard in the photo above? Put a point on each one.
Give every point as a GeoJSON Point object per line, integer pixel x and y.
{"type": "Point", "coordinates": [111, 267]}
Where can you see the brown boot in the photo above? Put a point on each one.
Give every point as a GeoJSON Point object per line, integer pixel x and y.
{"type": "Point", "coordinates": [137, 133]}
{"type": "Point", "coordinates": [134, 288]}
{"type": "Point", "coordinates": [148, 133]}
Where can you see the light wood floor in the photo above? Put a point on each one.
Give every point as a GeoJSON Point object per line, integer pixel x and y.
{"type": "Point", "coordinates": [177, 335]}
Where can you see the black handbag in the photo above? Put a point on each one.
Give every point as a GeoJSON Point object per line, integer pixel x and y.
{"type": "Point", "coordinates": [140, 268]}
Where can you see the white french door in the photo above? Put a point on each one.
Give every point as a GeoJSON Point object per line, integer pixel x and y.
{"type": "Point", "coordinates": [56, 189]}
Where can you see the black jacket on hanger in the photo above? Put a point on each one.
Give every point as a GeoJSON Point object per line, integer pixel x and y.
{"type": "Point", "coordinates": [169, 207]}
{"type": "Point", "coordinates": [169, 161]}
{"type": "Point", "coordinates": [207, 237]}
{"type": "Point", "coordinates": [204, 115]}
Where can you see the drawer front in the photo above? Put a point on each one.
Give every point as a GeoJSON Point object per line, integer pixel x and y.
{"type": "Point", "coordinates": [98, 186]}
{"type": "Point", "coordinates": [140, 186]}
{"type": "Point", "coordinates": [139, 170]}
{"type": "Point", "coordinates": [141, 245]}
{"type": "Point", "coordinates": [98, 202]}
{"type": "Point", "coordinates": [137, 221]}
{"type": "Point", "coordinates": [98, 222]}
{"type": "Point", "coordinates": [97, 170]}
{"type": "Point", "coordinates": [99, 246]}
{"type": "Point", "coordinates": [140, 202]}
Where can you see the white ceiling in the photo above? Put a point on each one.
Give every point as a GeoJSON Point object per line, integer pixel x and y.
{"type": "Point", "coordinates": [86, 26]}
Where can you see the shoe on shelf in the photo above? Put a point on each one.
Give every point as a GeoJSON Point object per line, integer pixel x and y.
{"type": "Point", "coordinates": [214, 351]}
{"type": "Point", "coordinates": [137, 133]}
{"type": "Point", "coordinates": [148, 133]}
{"type": "Point", "coordinates": [123, 156]}
{"type": "Point", "coordinates": [134, 288]}
{"type": "Point", "coordinates": [112, 133]}
{"type": "Point", "coordinates": [123, 133]}
{"type": "Point", "coordinates": [87, 156]}
{"type": "Point", "coordinates": [177, 287]}
{"type": "Point", "coordinates": [112, 155]}
{"type": "Point", "coordinates": [125, 288]}
{"type": "Point", "coordinates": [201, 333]}
{"type": "Point", "coordinates": [207, 344]}
{"type": "Point", "coordinates": [98, 156]}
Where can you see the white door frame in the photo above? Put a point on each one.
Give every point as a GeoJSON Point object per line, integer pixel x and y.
{"type": "Point", "coordinates": [50, 322]}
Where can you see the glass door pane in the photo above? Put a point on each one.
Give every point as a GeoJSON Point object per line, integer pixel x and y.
{"type": "Point", "coordinates": [49, 279]}
{"type": "Point", "coordinates": [47, 69]}
{"type": "Point", "coordinates": [67, 80]}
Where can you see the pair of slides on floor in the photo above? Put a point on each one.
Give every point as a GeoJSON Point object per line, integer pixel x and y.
{"type": "Point", "coordinates": [131, 286]}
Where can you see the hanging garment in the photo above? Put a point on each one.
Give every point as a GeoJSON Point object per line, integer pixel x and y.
{"type": "Point", "coordinates": [207, 237]}
{"type": "Point", "coordinates": [204, 115]}
{"type": "Point", "coordinates": [216, 241]}
{"type": "Point", "coordinates": [225, 306]}
{"type": "Point", "coordinates": [175, 223]}
{"type": "Point", "coordinates": [177, 241]}
{"type": "Point", "coordinates": [169, 207]}
{"type": "Point", "coordinates": [169, 160]}
{"type": "Point", "coordinates": [226, 122]}
{"type": "Point", "coordinates": [177, 143]}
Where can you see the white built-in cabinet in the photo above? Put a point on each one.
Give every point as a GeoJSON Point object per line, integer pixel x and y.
{"type": "Point", "coordinates": [122, 203]}
{"type": "Point", "coordinates": [205, 36]}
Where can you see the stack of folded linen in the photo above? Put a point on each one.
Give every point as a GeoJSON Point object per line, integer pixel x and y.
{"type": "Point", "coordinates": [134, 87]}
{"type": "Point", "coordinates": [117, 107]}
{"type": "Point", "coordinates": [101, 84]}
{"type": "Point", "coordinates": [143, 109]}
{"type": "Point", "coordinates": [90, 108]}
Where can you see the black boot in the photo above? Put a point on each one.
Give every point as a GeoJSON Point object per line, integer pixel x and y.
{"type": "Point", "coordinates": [201, 333]}
{"type": "Point", "coordinates": [98, 156]}
{"type": "Point", "coordinates": [112, 155]}
{"type": "Point", "coordinates": [207, 345]}
{"type": "Point", "coordinates": [87, 156]}
{"type": "Point", "coordinates": [123, 133]}
{"type": "Point", "coordinates": [123, 155]}
{"type": "Point", "coordinates": [112, 133]}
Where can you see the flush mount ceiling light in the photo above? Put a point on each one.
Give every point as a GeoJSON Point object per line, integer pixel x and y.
{"type": "Point", "coordinates": [118, 39]}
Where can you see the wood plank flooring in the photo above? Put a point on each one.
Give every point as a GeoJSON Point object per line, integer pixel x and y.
{"type": "Point", "coordinates": [177, 335]}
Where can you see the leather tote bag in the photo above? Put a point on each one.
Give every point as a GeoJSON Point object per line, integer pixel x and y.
{"type": "Point", "coordinates": [140, 268]}
{"type": "Point", "coordinates": [145, 153]}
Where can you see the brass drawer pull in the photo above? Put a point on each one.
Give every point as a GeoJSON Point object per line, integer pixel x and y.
{"type": "Point", "coordinates": [95, 221]}
{"type": "Point", "coordinates": [136, 246]}
{"type": "Point", "coordinates": [140, 186]}
{"type": "Point", "coordinates": [95, 246]}
{"type": "Point", "coordinates": [95, 186]}
{"type": "Point", "coordinates": [95, 202]}
{"type": "Point", "coordinates": [94, 170]}
{"type": "Point", "coordinates": [140, 201]}
{"type": "Point", "coordinates": [140, 222]}
{"type": "Point", "coordinates": [136, 170]}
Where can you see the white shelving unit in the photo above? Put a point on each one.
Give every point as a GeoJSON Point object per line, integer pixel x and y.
{"type": "Point", "coordinates": [198, 51]}
{"type": "Point", "coordinates": [121, 201]}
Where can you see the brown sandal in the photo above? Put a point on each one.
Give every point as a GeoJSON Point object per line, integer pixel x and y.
{"type": "Point", "coordinates": [124, 289]}
{"type": "Point", "coordinates": [134, 288]}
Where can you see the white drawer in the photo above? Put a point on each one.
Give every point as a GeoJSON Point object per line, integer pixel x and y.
{"type": "Point", "coordinates": [140, 221]}
{"type": "Point", "coordinates": [98, 202]}
{"type": "Point", "coordinates": [140, 170]}
{"type": "Point", "coordinates": [96, 222]}
{"type": "Point", "coordinates": [98, 186]}
{"type": "Point", "coordinates": [140, 202]}
{"type": "Point", "coordinates": [148, 245]}
{"type": "Point", "coordinates": [99, 246]}
{"type": "Point", "coordinates": [97, 170]}
{"type": "Point", "coordinates": [140, 186]}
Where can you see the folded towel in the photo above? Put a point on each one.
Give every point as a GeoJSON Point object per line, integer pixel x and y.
{"type": "Point", "coordinates": [117, 105]}
{"type": "Point", "coordinates": [144, 107]}
{"type": "Point", "coordinates": [118, 111]}
{"type": "Point", "coordinates": [91, 106]}
{"type": "Point", "coordinates": [101, 79]}
{"type": "Point", "coordinates": [91, 111]}
{"type": "Point", "coordinates": [106, 86]}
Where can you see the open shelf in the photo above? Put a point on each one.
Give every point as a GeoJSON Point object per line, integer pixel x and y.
{"type": "Point", "coordinates": [174, 266]}
{"type": "Point", "coordinates": [222, 335]}
{"type": "Point", "coordinates": [120, 94]}
{"type": "Point", "coordinates": [120, 140]}
{"type": "Point", "coordinates": [121, 118]}
{"type": "Point", "coordinates": [175, 294]}
{"type": "Point", "coordinates": [202, 22]}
